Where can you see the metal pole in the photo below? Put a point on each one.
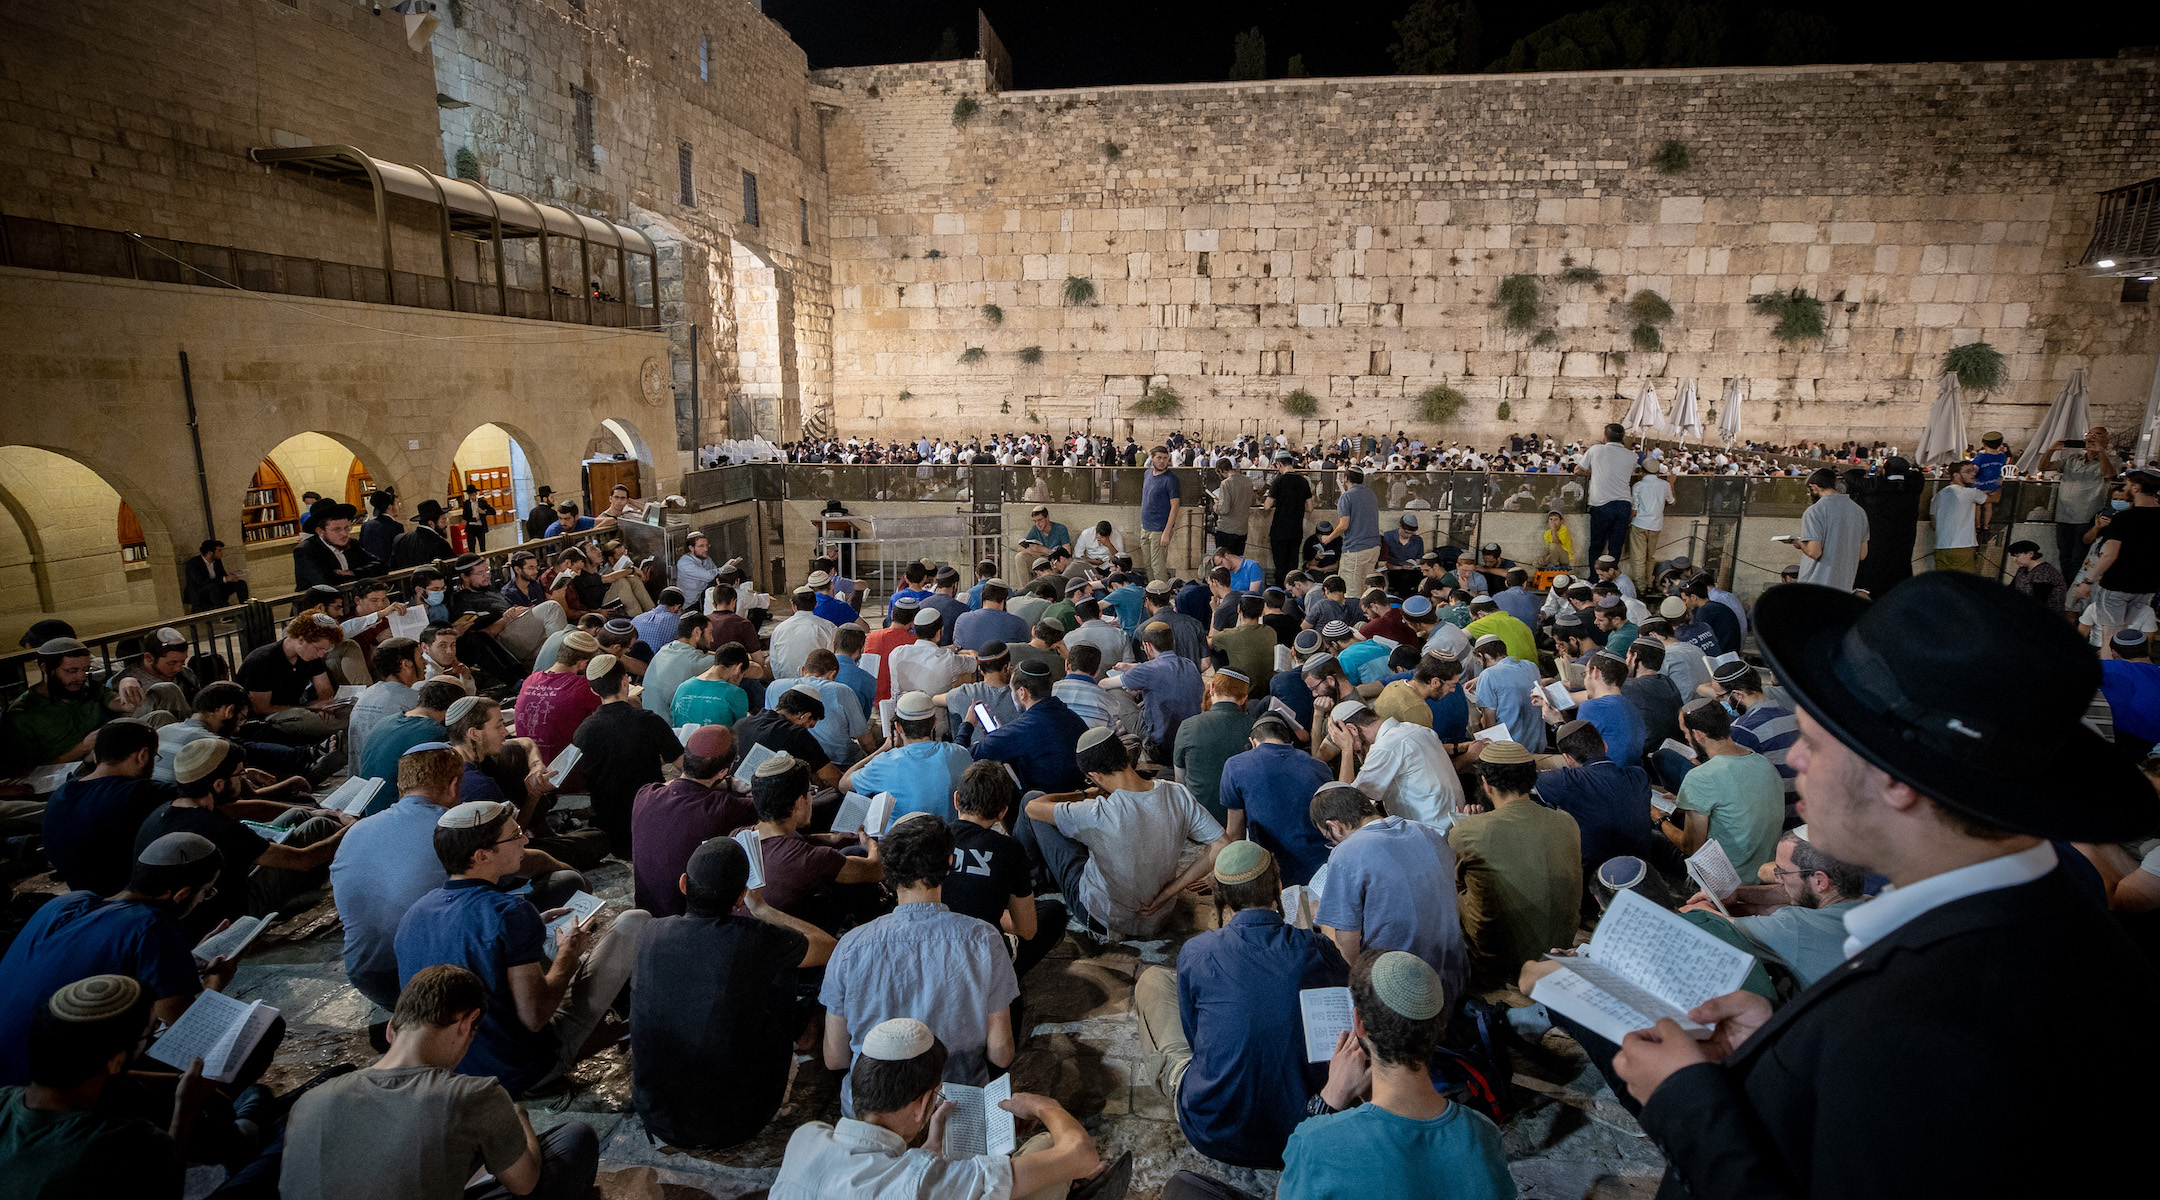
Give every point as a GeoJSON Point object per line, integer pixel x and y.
{"type": "Point", "coordinates": [2151, 426]}
{"type": "Point", "coordinates": [697, 416]}
{"type": "Point", "coordinates": [202, 476]}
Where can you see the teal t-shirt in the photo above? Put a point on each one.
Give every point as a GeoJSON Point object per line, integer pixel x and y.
{"type": "Point", "coordinates": [1369, 1153]}
{"type": "Point", "coordinates": [708, 702]}
{"type": "Point", "coordinates": [1745, 801]}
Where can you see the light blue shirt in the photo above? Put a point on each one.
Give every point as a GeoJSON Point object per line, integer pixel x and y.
{"type": "Point", "coordinates": [1505, 688]}
{"type": "Point", "coordinates": [922, 776]}
{"type": "Point", "coordinates": [656, 627]}
{"type": "Point", "coordinates": [693, 575]}
{"type": "Point", "coordinates": [1810, 940]}
{"type": "Point", "coordinates": [1393, 881]}
{"type": "Point", "coordinates": [844, 717]}
{"type": "Point", "coordinates": [670, 666]}
{"type": "Point", "coordinates": [851, 673]}
{"type": "Point", "coordinates": [383, 865]}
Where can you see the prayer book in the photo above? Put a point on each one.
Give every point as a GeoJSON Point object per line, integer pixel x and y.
{"type": "Point", "coordinates": [1719, 660]}
{"type": "Point", "coordinates": [978, 1126]}
{"type": "Point", "coordinates": [353, 795]}
{"type": "Point", "coordinates": [683, 732]}
{"type": "Point", "coordinates": [1711, 868]}
{"type": "Point", "coordinates": [1390, 643]}
{"type": "Point", "coordinates": [747, 768]}
{"type": "Point", "coordinates": [866, 814]}
{"type": "Point", "coordinates": [749, 840]}
{"type": "Point", "coordinates": [217, 1029]}
{"type": "Point", "coordinates": [270, 833]}
{"type": "Point", "coordinates": [1643, 964]}
{"type": "Point", "coordinates": [1496, 733]}
{"type": "Point", "coordinates": [564, 763]}
{"type": "Point", "coordinates": [869, 664]}
{"type": "Point", "coordinates": [1557, 696]}
{"type": "Point", "coordinates": [1327, 1012]}
{"type": "Point", "coordinates": [1275, 705]}
{"type": "Point", "coordinates": [46, 780]}
{"type": "Point", "coordinates": [1680, 748]}
{"type": "Point", "coordinates": [349, 692]}
{"type": "Point", "coordinates": [234, 940]}
{"type": "Point", "coordinates": [581, 906]}
{"type": "Point", "coordinates": [1300, 905]}
{"type": "Point", "coordinates": [410, 624]}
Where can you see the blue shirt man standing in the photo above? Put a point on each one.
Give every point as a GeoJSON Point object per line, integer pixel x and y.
{"type": "Point", "coordinates": [1159, 499]}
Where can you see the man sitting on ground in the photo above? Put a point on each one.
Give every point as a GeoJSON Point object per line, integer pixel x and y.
{"type": "Point", "coordinates": [919, 770]}
{"type": "Point", "coordinates": [1609, 801]}
{"type": "Point", "coordinates": [90, 822]}
{"type": "Point", "coordinates": [715, 998]}
{"type": "Point", "coordinates": [1799, 916]}
{"type": "Point", "coordinates": [669, 821]}
{"type": "Point", "coordinates": [398, 672]}
{"type": "Point", "coordinates": [1400, 765]}
{"type": "Point", "coordinates": [687, 656]}
{"type": "Point", "coordinates": [1734, 795]}
{"type": "Point", "coordinates": [1390, 883]}
{"type": "Point", "coordinates": [1519, 869]}
{"type": "Point", "coordinates": [991, 879]}
{"type": "Point", "coordinates": [423, 724]}
{"type": "Point", "coordinates": [551, 704]}
{"type": "Point", "coordinates": [715, 696]}
{"type": "Point", "coordinates": [208, 774]}
{"type": "Point", "coordinates": [286, 772]}
{"type": "Point", "coordinates": [1767, 728]}
{"type": "Point", "coordinates": [54, 718]}
{"type": "Point", "coordinates": [1267, 792]}
{"type": "Point", "coordinates": [1222, 1033]}
{"type": "Point", "coordinates": [806, 875]}
{"type": "Point", "coordinates": [1038, 746]}
{"type": "Point", "coordinates": [1207, 740]}
{"type": "Point", "coordinates": [922, 958]}
{"type": "Point", "coordinates": [622, 748]}
{"type": "Point", "coordinates": [62, 1138]}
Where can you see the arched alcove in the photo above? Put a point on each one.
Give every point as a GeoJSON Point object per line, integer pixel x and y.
{"type": "Point", "coordinates": [61, 551]}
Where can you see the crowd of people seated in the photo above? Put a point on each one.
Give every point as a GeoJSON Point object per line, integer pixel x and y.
{"type": "Point", "coordinates": [855, 826]}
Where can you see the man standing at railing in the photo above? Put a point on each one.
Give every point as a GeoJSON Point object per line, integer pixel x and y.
{"type": "Point", "coordinates": [542, 514]}
{"type": "Point", "coordinates": [1159, 499]}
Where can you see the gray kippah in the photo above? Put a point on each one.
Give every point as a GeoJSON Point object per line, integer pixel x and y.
{"type": "Point", "coordinates": [1240, 676]}
{"type": "Point", "coordinates": [1407, 984]}
{"type": "Point", "coordinates": [1335, 631]}
{"type": "Point", "coordinates": [618, 626]}
{"type": "Point", "coordinates": [471, 815]}
{"type": "Point", "coordinates": [1095, 737]}
{"type": "Point", "coordinates": [98, 998]}
{"type": "Point", "coordinates": [60, 646]}
{"type": "Point", "coordinates": [778, 764]}
{"type": "Point", "coordinates": [460, 708]}
{"type": "Point", "coordinates": [1306, 641]}
{"type": "Point", "coordinates": [898, 1040]}
{"type": "Point", "coordinates": [177, 849]}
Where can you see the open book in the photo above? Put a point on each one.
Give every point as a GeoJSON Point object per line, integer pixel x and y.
{"type": "Point", "coordinates": [1327, 1013]}
{"type": "Point", "coordinates": [350, 691]}
{"type": "Point", "coordinates": [46, 780]}
{"type": "Point", "coordinates": [271, 833]}
{"type": "Point", "coordinates": [1557, 696]}
{"type": "Point", "coordinates": [234, 940]}
{"type": "Point", "coordinates": [1719, 660]}
{"type": "Point", "coordinates": [683, 732]}
{"type": "Point", "coordinates": [867, 814]}
{"type": "Point", "coordinates": [1713, 870]}
{"type": "Point", "coordinates": [564, 763]}
{"type": "Point", "coordinates": [1644, 964]}
{"type": "Point", "coordinates": [217, 1029]}
{"type": "Point", "coordinates": [409, 624]}
{"type": "Point", "coordinates": [750, 840]}
{"type": "Point", "coordinates": [581, 906]}
{"type": "Point", "coordinates": [1276, 705]}
{"type": "Point", "coordinates": [978, 1126]}
{"type": "Point", "coordinates": [1300, 905]}
{"type": "Point", "coordinates": [750, 760]}
{"type": "Point", "coordinates": [1494, 733]}
{"type": "Point", "coordinates": [353, 795]}
{"type": "Point", "coordinates": [1678, 747]}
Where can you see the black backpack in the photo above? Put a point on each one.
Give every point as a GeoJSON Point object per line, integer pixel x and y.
{"type": "Point", "coordinates": [1471, 1066]}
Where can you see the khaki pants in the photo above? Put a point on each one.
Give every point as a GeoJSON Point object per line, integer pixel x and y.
{"type": "Point", "coordinates": [607, 967]}
{"type": "Point", "coordinates": [1155, 553]}
{"type": "Point", "coordinates": [1960, 559]}
{"type": "Point", "coordinates": [347, 665]}
{"type": "Point", "coordinates": [1642, 548]}
{"type": "Point", "coordinates": [1162, 1030]}
{"type": "Point", "coordinates": [1355, 566]}
{"type": "Point", "coordinates": [305, 724]}
{"type": "Point", "coordinates": [1049, 1191]}
{"type": "Point", "coordinates": [631, 591]}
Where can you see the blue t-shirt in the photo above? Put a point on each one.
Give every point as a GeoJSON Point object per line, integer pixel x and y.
{"type": "Point", "coordinates": [1618, 723]}
{"type": "Point", "coordinates": [384, 864]}
{"type": "Point", "coordinates": [1040, 747]}
{"type": "Point", "coordinates": [578, 526]}
{"type": "Point", "coordinates": [922, 776]}
{"type": "Point", "coordinates": [1289, 687]}
{"type": "Point", "coordinates": [1451, 716]}
{"type": "Point", "coordinates": [1991, 464]}
{"type": "Point", "coordinates": [1157, 490]}
{"type": "Point", "coordinates": [1505, 688]}
{"type": "Point", "coordinates": [1128, 602]}
{"type": "Point", "coordinates": [2133, 695]}
{"type": "Point", "coordinates": [1610, 804]}
{"type": "Point", "coordinates": [79, 935]}
{"type": "Point", "coordinates": [90, 829]}
{"type": "Point", "coordinates": [859, 681]}
{"type": "Point", "coordinates": [1248, 577]}
{"type": "Point", "coordinates": [1359, 657]}
{"type": "Point", "coordinates": [1394, 882]}
{"type": "Point", "coordinates": [1369, 1153]}
{"type": "Point", "coordinates": [1274, 784]}
{"type": "Point", "coordinates": [836, 610]}
{"type": "Point", "coordinates": [388, 742]}
{"type": "Point", "coordinates": [1360, 511]}
{"type": "Point", "coordinates": [468, 924]}
{"type": "Point", "coordinates": [986, 625]}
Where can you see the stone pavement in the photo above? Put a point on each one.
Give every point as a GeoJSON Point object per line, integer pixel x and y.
{"type": "Point", "coordinates": [1080, 1047]}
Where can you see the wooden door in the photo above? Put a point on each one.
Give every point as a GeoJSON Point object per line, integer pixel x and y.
{"type": "Point", "coordinates": [602, 478]}
{"type": "Point", "coordinates": [494, 485]}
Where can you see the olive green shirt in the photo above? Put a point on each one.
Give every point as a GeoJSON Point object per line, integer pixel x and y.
{"type": "Point", "coordinates": [1205, 742]}
{"type": "Point", "coordinates": [1251, 651]}
{"type": "Point", "coordinates": [1519, 871]}
{"type": "Point", "coordinates": [37, 730]}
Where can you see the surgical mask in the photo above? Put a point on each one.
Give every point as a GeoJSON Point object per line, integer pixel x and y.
{"type": "Point", "coordinates": [2118, 505]}
{"type": "Point", "coordinates": [1732, 708]}
{"type": "Point", "coordinates": [435, 596]}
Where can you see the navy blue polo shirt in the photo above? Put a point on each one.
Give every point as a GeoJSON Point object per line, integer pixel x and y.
{"type": "Point", "coordinates": [1041, 747]}
{"type": "Point", "coordinates": [1289, 687]}
{"type": "Point", "coordinates": [1610, 803]}
{"type": "Point", "coordinates": [90, 828]}
{"type": "Point", "coordinates": [467, 923]}
{"type": "Point", "coordinates": [1157, 490]}
{"type": "Point", "coordinates": [1238, 1001]}
{"type": "Point", "coordinates": [1274, 784]}
{"type": "Point", "coordinates": [83, 934]}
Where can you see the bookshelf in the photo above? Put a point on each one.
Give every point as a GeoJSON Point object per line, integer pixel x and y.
{"type": "Point", "coordinates": [134, 548]}
{"type": "Point", "coordinates": [358, 485]}
{"type": "Point", "coordinates": [270, 511]}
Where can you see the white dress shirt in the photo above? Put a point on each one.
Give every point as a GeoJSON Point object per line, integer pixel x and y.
{"type": "Point", "coordinates": [925, 666]}
{"type": "Point", "coordinates": [1408, 772]}
{"type": "Point", "coordinates": [856, 1160]}
{"type": "Point", "coordinates": [794, 639]}
{"type": "Point", "coordinates": [1882, 916]}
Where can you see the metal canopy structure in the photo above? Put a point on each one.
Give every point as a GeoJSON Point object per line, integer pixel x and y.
{"type": "Point", "coordinates": [470, 210]}
{"type": "Point", "coordinates": [2126, 232]}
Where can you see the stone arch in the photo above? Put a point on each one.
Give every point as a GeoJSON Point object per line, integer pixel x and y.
{"type": "Point", "coordinates": [502, 446]}
{"type": "Point", "coordinates": [319, 460]}
{"type": "Point", "coordinates": [768, 396]}
{"type": "Point", "coordinates": [60, 549]}
{"type": "Point", "coordinates": [616, 435]}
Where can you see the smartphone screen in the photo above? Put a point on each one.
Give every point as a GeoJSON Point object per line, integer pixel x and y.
{"type": "Point", "coordinates": [983, 719]}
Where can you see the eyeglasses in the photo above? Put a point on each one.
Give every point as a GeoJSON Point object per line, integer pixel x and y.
{"type": "Point", "coordinates": [519, 836]}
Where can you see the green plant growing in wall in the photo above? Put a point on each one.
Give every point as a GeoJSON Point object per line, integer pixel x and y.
{"type": "Point", "coordinates": [1004, 406]}
{"type": "Point", "coordinates": [1580, 274]}
{"type": "Point", "coordinates": [1160, 401]}
{"type": "Point", "coordinates": [1505, 411]}
{"type": "Point", "coordinates": [933, 254]}
{"type": "Point", "coordinates": [1518, 295]}
{"type": "Point", "coordinates": [993, 314]}
{"type": "Point", "coordinates": [1031, 354]}
{"type": "Point", "coordinates": [1648, 310]}
{"type": "Point", "coordinates": [871, 91]}
{"type": "Point", "coordinates": [1438, 404]}
{"type": "Point", "coordinates": [1079, 291]}
{"type": "Point", "coordinates": [1799, 315]}
{"type": "Point", "coordinates": [1112, 151]}
{"type": "Point", "coordinates": [1300, 403]}
{"type": "Point", "coordinates": [1618, 357]}
{"type": "Point", "coordinates": [1645, 338]}
{"type": "Point", "coordinates": [965, 108]}
{"type": "Point", "coordinates": [1545, 338]}
{"type": "Point", "coordinates": [905, 396]}
{"type": "Point", "coordinates": [468, 164]}
{"type": "Point", "coordinates": [1671, 158]}
{"type": "Point", "coordinates": [1977, 365]}
{"type": "Point", "coordinates": [973, 355]}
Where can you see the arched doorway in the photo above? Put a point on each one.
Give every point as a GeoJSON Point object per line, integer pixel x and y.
{"type": "Point", "coordinates": [276, 498]}
{"type": "Point", "coordinates": [495, 460]}
{"type": "Point", "coordinates": [70, 546]}
{"type": "Point", "coordinates": [615, 453]}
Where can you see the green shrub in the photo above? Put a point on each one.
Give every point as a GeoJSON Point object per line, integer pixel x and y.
{"type": "Point", "coordinates": [1031, 354]}
{"type": "Point", "coordinates": [1977, 365]}
{"type": "Point", "coordinates": [468, 164]}
{"type": "Point", "coordinates": [1300, 403]}
{"type": "Point", "coordinates": [1671, 158]}
{"type": "Point", "coordinates": [1438, 404]}
{"type": "Point", "coordinates": [1649, 308]}
{"type": "Point", "coordinates": [973, 355]}
{"type": "Point", "coordinates": [1160, 401]}
{"type": "Point", "coordinates": [964, 108]}
{"type": "Point", "coordinates": [1799, 315]}
{"type": "Point", "coordinates": [1518, 294]}
{"type": "Point", "coordinates": [1504, 410]}
{"type": "Point", "coordinates": [905, 395]}
{"type": "Point", "coordinates": [1545, 338]}
{"type": "Point", "coordinates": [1112, 151]}
{"type": "Point", "coordinates": [1619, 357]}
{"type": "Point", "coordinates": [993, 314]}
{"type": "Point", "coordinates": [1581, 275]}
{"type": "Point", "coordinates": [1646, 339]}
{"type": "Point", "coordinates": [1079, 291]}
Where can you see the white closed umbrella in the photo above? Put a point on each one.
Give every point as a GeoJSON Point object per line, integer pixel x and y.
{"type": "Point", "coordinates": [2069, 417]}
{"type": "Point", "coordinates": [1686, 416]}
{"type": "Point", "coordinates": [1728, 412]}
{"type": "Point", "coordinates": [1944, 441]}
{"type": "Point", "coordinates": [1648, 416]}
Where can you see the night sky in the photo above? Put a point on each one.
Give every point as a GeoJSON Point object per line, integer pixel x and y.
{"type": "Point", "coordinates": [1092, 42]}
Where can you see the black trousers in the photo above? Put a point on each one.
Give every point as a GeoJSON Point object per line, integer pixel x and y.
{"type": "Point", "coordinates": [1284, 549]}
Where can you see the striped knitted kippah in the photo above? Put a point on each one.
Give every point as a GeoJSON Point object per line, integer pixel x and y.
{"type": "Point", "coordinates": [1407, 984]}
{"type": "Point", "coordinates": [98, 998]}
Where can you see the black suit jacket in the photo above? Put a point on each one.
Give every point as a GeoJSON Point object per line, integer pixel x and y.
{"type": "Point", "coordinates": [1979, 1050]}
{"type": "Point", "coordinates": [313, 564]}
{"type": "Point", "coordinates": [418, 546]}
{"type": "Point", "coordinates": [200, 589]}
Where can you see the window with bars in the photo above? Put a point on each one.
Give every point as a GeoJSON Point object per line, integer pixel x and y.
{"type": "Point", "coordinates": [581, 127]}
{"type": "Point", "coordinates": [704, 57]}
{"type": "Point", "coordinates": [749, 198]}
{"type": "Point", "coordinates": [803, 219]}
{"type": "Point", "coordinates": [689, 176]}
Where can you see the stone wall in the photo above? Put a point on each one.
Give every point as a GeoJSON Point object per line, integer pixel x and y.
{"type": "Point", "coordinates": [75, 517]}
{"type": "Point", "coordinates": [1347, 237]}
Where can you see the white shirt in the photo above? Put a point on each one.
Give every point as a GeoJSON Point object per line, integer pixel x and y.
{"type": "Point", "coordinates": [856, 1160]}
{"type": "Point", "coordinates": [1953, 512]}
{"type": "Point", "coordinates": [1652, 494]}
{"type": "Point", "coordinates": [1610, 465]}
{"type": "Point", "coordinates": [1095, 550]}
{"type": "Point", "coordinates": [1882, 916]}
{"type": "Point", "coordinates": [794, 639]}
{"type": "Point", "coordinates": [1408, 772]}
{"type": "Point", "coordinates": [923, 666]}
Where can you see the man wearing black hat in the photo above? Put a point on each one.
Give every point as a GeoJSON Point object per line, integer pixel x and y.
{"type": "Point", "coordinates": [329, 555]}
{"type": "Point", "coordinates": [1934, 1062]}
{"type": "Point", "coordinates": [209, 584]}
{"type": "Point", "coordinates": [380, 534]}
{"type": "Point", "coordinates": [474, 510]}
{"type": "Point", "coordinates": [542, 514]}
{"type": "Point", "coordinates": [424, 542]}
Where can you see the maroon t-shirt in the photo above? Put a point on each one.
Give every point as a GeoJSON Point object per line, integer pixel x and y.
{"type": "Point", "coordinates": [797, 873]}
{"type": "Point", "coordinates": [551, 706]}
{"type": "Point", "coordinates": [668, 822]}
{"type": "Point", "coordinates": [730, 627]}
{"type": "Point", "coordinates": [1391, 626]}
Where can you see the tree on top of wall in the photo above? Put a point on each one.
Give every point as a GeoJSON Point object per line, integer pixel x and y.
{"type": "Point", "coordinates": [1437, 37]}
{"type": "Point", "coordinates": [1249, 55]}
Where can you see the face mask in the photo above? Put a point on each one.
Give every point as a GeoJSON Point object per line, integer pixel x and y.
{"type": "Point", "coordinates": [435, 595]}
{"type": "Point", "coordinates": [1732, 708]}
{"type": "Point", "coordinates": [2118, 505]}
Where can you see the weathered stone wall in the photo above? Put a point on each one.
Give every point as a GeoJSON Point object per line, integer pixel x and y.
{"type": "Point", "coordinates": [1348, 236]}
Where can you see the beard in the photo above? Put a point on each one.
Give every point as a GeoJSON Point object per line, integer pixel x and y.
{"type": "Point", "coordinates": [61, 691]}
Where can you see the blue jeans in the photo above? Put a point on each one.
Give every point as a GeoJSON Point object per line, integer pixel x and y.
{"type": "Point", "coordinates": [1668, 768]}
{"type": "Point", "coordinates": [1609, 529]}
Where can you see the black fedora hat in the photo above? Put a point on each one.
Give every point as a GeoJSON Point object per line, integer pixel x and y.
{"type": "Point", "coordinates": [1904, 682]}
{"type": "Point", "coordinates": [324, 510]}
